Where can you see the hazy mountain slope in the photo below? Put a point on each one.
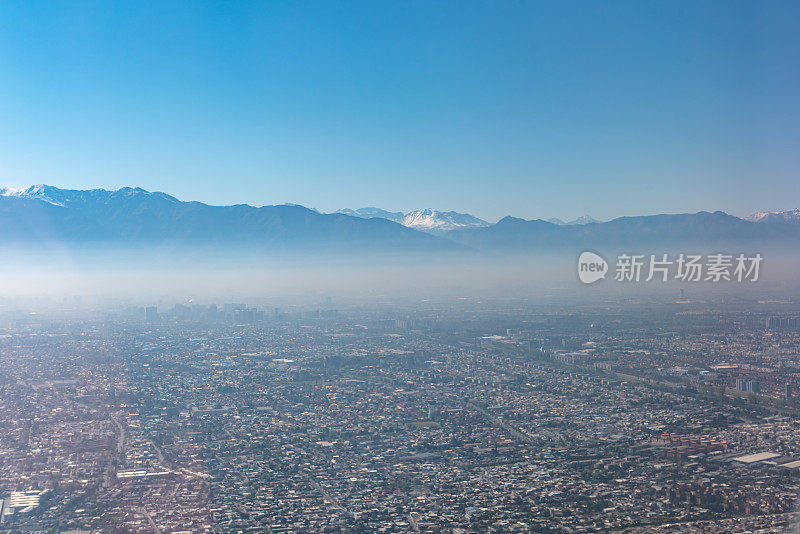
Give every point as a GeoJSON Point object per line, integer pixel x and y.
{"type": "Point", "coordinates": [366, 213]}
{"type": "Point", "coordinates": [701, 230]}
{"type": "Point", "coordinates": [135, 216]}
{"type": "Point", "coordinates": [583, 219]}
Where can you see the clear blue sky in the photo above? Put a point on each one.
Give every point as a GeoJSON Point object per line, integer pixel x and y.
{"type": "Point", "coordinates": [534, 109]}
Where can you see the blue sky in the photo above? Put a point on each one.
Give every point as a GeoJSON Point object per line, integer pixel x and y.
{"type": "Point", "coordinates": [534, 109]}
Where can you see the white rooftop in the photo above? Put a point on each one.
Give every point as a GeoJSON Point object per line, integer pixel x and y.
{"type": "Point", "coordinates": [757, 457]}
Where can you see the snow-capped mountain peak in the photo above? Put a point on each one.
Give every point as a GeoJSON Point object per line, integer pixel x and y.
{"type": "Point", "coordinates": [45, 193]}
{"type": "Point", "coordinates": [776, 217]}
{"type": "Point", "coordinates": [435, 221]}
{"type": "Point", "coordinates": [66, 197]}
{"type": "Point", "coordinates": [427, 220]}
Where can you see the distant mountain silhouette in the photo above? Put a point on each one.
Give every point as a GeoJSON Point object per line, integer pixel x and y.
{"type": "Point", "coordinates": [583, 219]}
{"type": "Point", "coordinates": [699, 231]}
{"type": "Point", "coordinates": [133, 216]}
{"type": "Point", "coordinates": [367, 213]}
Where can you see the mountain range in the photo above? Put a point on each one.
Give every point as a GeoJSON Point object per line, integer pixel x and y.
{"type": "Point", "coordinates": [440, 222]}
{"type": "Point", "coordinates": [702, 231]}
{"type": "Point", "coordinates": [131, 216]}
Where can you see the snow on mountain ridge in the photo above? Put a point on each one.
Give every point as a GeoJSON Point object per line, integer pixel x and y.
{"type": "Point", "coordinates": [434, 220]}
{"type": "Point", "coordinates": [39, 192]}
{"type": "Point", "coordinates": [427, 220]}
{"type": "Point", "coordinates": [63, 197]}
{"type": "Point", "coordinates": [783, 216]}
